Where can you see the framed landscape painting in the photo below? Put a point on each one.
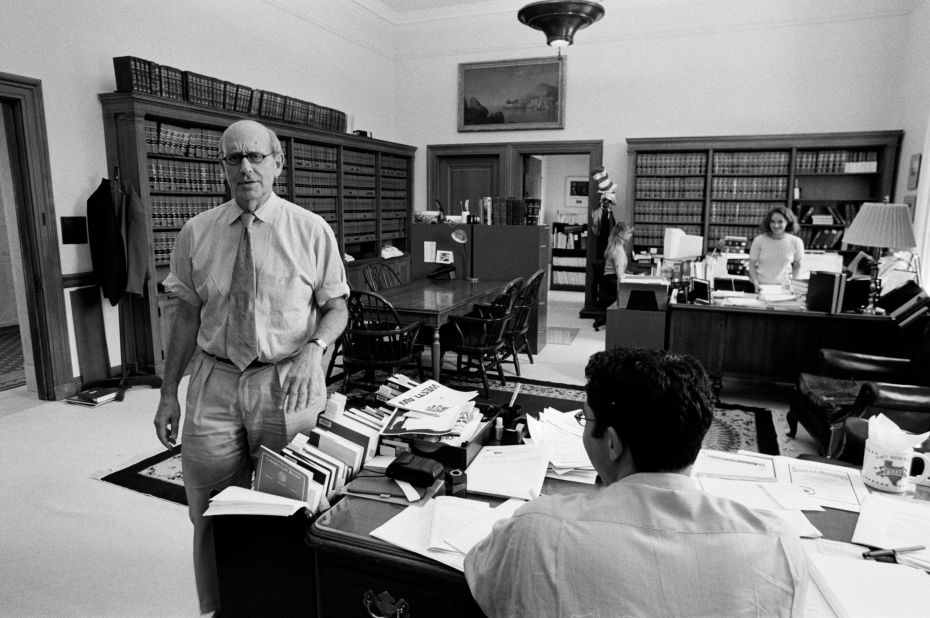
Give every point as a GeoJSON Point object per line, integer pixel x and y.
{"type": "Point", "coordinates": [511, 95]}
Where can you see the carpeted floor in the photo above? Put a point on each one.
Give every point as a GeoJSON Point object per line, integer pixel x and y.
{"type": "Point", "coordinates": [11, 358]}
{"type": "Point", "coordinates": [735, 427]}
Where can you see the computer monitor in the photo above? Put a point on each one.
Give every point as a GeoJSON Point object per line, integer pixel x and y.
{"type": "Point", "coordinates": [681, 246]}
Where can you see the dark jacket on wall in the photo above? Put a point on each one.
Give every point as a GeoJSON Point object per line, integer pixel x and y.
{"type": "Point", "coordinates": [118, 247]}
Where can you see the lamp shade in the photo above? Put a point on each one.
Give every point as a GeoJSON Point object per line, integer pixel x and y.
{"type": "Point", "coordinates": [887, 226]}
{"type": "Point", "coordinates": [560, 20]}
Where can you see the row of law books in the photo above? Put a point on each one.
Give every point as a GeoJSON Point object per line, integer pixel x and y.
{"type": "Point", "coordinates": [143, 76]}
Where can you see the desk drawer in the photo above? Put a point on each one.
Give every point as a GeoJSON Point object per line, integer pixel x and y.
{"type": "Point", "coordinates": [344, 574]}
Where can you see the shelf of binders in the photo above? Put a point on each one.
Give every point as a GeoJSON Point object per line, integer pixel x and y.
{"type": "Point", "coordinates": [569, 256]}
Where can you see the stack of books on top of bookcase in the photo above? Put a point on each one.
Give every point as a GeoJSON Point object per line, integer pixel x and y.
{"type": "Point", "coordinates": [139, 75]}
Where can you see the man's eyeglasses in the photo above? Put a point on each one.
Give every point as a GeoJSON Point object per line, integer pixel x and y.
{"type": "Point", "coordinates": [253, 157]}
{"type": "Point", "coordinates": [581, 418]}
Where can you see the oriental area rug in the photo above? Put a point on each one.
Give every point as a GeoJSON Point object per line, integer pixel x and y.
{"type": "Point", "coordinates": [734, 427]}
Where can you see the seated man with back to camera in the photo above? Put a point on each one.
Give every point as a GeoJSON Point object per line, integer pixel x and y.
{"type": "Point", "coordinates": [650, 542]}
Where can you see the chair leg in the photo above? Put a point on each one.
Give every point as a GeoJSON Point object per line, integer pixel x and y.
{"type": "Point", "coordinates": [792, 419]}
{"type": "Point", "coordinates": [500, 370]}
{"type": "Point", "coordinates": [516, 357]}
{"type": "Point", "coordinates": [526, 348]}
{"type": "Point", "coordinates": [332, 360]}
{"type": "Point", "coordinates": [484, 379]}
{"type": "Point", "coordinates": [420, 367]}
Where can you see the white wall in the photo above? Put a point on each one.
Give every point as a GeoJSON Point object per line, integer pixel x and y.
{"type": "Point", "coordinates": [293, 47]}
{"type": "Point", "coordinates": [556, 169]}
{"type": "Point", "coordinates": [666, 68]}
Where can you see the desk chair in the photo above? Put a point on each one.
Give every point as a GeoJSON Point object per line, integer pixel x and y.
{"type": "Point", "coordinates": [823, 400]}
{"type": "Point", "coordinates": [376, 339]}
{"type": "Point", "coordinates": [503, 304]}
{"type": "Point", "coordinates": [515, 340]}
{"type": "Point", "coordinates": [480, 340]}
{"type": "Point", "coordinates": [380, 276]}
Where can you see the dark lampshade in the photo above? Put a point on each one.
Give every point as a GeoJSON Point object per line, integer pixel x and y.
{"type": "Point", "coordinates": [886, 226]}
{"type": "Point", "coordinates": [560, 20]}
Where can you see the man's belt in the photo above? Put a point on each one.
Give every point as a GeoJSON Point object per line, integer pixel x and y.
{"type": "Point", "coordinates": [254, 364]}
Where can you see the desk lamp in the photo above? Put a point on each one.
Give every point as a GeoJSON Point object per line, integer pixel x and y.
{"type": "Point", "coordinates": [461, 237]}
{"type": "Point", "coordinates": [880, 226]}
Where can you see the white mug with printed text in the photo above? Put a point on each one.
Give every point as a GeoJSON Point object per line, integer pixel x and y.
{"type": "Point", "coordinates": [889, 470]}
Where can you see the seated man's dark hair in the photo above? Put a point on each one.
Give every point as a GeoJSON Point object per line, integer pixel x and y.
{"type": "Point", "coordinates": [659, 403]}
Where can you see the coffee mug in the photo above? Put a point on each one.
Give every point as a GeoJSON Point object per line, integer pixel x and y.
{"type": "Point", "coordinates": [889, 470]}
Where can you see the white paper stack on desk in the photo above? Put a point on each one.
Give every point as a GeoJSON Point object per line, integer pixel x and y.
{"type": "Point", "coordinates": [561, 436]}
{"type": "Point", "coordinates": [445, 528]}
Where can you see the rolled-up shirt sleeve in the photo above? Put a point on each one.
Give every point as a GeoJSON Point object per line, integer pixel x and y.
{"type": "Point", "coordinates": [179, 282]}
{"type": "Point", "coordinates": [331, 282]}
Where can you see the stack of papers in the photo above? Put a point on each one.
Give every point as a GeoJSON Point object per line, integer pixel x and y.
{"type": "Point", "coordinates": [445, 528]}
{"type": "Point", "coordinates": [432, 398]}
{"type": "Point", "coordinates": [242, 501]}
{"type": "Point", "coordinates": [431, 409]}
{"type": "Point", "coordinates": [516, 471]}
{"type": "Point", "coordinates": [856, 587]}
{"type": "Point", "coordinates": [890, 522]}
{"type": "Point", "coordinates": [561, 437]}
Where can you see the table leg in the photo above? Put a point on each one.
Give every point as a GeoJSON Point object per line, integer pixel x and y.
{"type": "Point", "coordinates": [436, 354]}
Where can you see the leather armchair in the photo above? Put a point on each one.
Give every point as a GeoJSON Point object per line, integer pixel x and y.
{"type": "Point", "coordinates": [908, 406]}
{"type": "Point", "coordinates": [823, 400]}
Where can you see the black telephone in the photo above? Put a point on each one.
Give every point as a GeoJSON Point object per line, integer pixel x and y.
{"type": "Point", "coordinates": [446, 271]}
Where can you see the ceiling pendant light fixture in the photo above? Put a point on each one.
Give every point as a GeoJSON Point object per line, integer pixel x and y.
{"type": "Point", "coordinates": [559, 20]}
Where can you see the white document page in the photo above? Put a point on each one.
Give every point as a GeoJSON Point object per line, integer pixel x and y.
{"type": "Point", "coordinates": [451, 514]}
{"type": "Point", "coordinates": [410, 529]}
{"type": "Point", "coordinates": [473, 533]}
{"type": "Point", "coordinates": [888, 522]}
{"type": "Point", "coordinates": [508, 471]}
{"type": "Point", "coordinates": [727, 465]}
{"type": "Point", "coordinates": [868, 588]}
{"type": "Point", "coordinates": [561, 435]}
{"type": "Point", "coordinates": [832, 486]}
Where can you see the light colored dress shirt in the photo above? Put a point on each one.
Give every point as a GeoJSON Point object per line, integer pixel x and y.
{"type": "Point", "coordinates": [616, 262]}
{"type": "Point", "coordinates": [648, 545]}
{"type": "Point", "coordinates": [774, 257]}
{"type": "Point", "coordinates": [298, 268]}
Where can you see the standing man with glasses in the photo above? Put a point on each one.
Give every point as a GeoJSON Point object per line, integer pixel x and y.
{"type": "Point", "coordinates": [263, 294]}
{"type": "Point", "coordinates": [649, 542]}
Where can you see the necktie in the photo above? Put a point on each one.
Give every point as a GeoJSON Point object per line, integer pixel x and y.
{"type": "Point", "coordinates": [240, 326]}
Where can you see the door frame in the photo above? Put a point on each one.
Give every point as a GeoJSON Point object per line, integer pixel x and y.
{"type": "Point", "coordinates": [38, 236]}
{"type": "Point", "coordinates": [511, 155]}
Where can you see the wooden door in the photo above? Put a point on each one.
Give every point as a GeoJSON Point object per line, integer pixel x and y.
{"type": "Point", "coordinates": [532, 177]}
{"type": "Point", "coordinates": [469, 178]}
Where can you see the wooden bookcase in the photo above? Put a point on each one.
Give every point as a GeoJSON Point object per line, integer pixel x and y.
{"type": "Point", "coordinates": [167, 151]}
{"type": "Point", "coordinates": [569, 255]}
{"type": "Point", "coordinates": [723, 186]}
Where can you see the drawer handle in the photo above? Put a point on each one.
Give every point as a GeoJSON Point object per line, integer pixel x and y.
{"type": "Point", "coordinates": [385, 605]}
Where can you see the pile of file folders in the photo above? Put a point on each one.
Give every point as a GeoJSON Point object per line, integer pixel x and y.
{"type": "Point", "coordinates": [402, 416]}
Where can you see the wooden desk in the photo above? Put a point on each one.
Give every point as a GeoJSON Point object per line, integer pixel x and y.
{"type": "Point", "coordinates": [433, 301]}
{"type": "Point", "coordinates": [776, 345]}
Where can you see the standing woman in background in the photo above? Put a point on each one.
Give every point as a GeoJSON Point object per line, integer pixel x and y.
{"type": "Point", "coordinates": [617, 258]}
{"type": "Point", "coordinates": [776, 249]}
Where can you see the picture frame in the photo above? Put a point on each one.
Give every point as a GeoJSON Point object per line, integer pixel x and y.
{"type": "Point", "coordinates": [913, 172]}
{"type": "Point", "coordinates": [577, 190]}
{"type": "Point", "coordinates": [512, 95]}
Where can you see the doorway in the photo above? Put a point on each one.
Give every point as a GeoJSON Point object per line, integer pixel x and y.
{"type": "Point", "coordinates": [512, 160]}
{"type": "Point", "coordinates": [32, 238]}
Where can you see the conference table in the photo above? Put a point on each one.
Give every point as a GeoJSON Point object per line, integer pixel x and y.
{"type": "Point", "coordinates": [433, 300]}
